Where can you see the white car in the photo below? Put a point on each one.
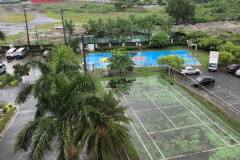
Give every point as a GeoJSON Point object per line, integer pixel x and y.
{"type": "Point", "coordinates": [190, 70]}
{"type": "Point", "coordinates": [238, 73]}
{"type": "Point", "coordinates": [20, 53]}
{"type": "Point", "coordinates": [10, 53]}
{"type": "Point", "coordinates": [2, 68]}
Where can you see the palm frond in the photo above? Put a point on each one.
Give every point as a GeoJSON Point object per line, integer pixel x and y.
{"type": "Point", "coordinates": [23, 94]}
{"type": "Point", "coordinates": [40, 64]}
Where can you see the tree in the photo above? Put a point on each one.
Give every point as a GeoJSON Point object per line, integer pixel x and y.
{"type": "Point", "coordinates": [160, 40]}
{"type": "Point", "coordinates": [120, 61]}
{"type": "Point", "coordinates": [226, 57]}
{"type": "Point", "coordinates": [70, 27]}
{"type": "Point", "coordinates": [2, 36]}
{"type": "Point", "coordinates": [73, 115]}
{"type": "Point", "coordinates": [172, 61]}
{"type": "Point", "coordinates": [182, 11]}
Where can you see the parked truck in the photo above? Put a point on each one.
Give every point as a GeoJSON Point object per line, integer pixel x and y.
{"type": "Point", "coordinates": [213, 61]}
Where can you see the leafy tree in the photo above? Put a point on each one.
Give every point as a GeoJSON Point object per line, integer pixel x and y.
{"type": "Point", "coordinates": [226, 57]}
{"type": "Point", "coordinates": [123, 4]}
{"type": "Point", "coordinates": [181, 10]}
{"type": "Point", "coordinates": [21, 69]}
{"type": "Point", "coordinates": [160, 40]}
{"type": "Point", "coordinates": [120, 61]}
{"type": "Point", "coordinates": [2, 36]}
{"type": "Point", "coordinates": [209, 43]}
{"type": "Point", "coordinates": [173, 61]}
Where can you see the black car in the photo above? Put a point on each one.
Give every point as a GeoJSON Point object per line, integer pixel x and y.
{"type": "Point", "coordinates": [233, 68]}
{"type": "Point", "coordinates": [204, 81]}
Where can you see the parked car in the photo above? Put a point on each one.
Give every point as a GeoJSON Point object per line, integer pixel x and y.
{"type": "Point", "coordinates": [190, 70]}
{"type": "Point", "coordinates": [3, 68]}
{"type": "Point", "coordinates": [237, 73]}
{"type": "Point", "coordinates": [20, 52]}
{"type": "Point", "coordinates": [10, 53]}
{"type": "Point", "coordinates": [233, 68]}
{"type": "Point", "coordinates": [204, 81]}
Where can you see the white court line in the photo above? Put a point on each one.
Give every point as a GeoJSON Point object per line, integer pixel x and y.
{"type": "Point", "coordinates": [173, 129]}
{"type": "Point", "coordinates": [142, 125]}
{"type": "Point", "coordinates": [150, 109]}
{"type": "Point", "coordinates": [196, 115]}
{"type": "Point", "coordinates": [145, 110]}
{"type": "Point", "coordinates": [141, 140]}
{"type": "Point", "coordinates": [209, 150]}
{"type": "Point", "coordinates": [207, 117]}
{"type": "Point", "coordinates": [161, 110]}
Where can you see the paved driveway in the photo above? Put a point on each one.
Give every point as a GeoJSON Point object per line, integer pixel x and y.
{"type": "Point", "coordinates": [227, 88]}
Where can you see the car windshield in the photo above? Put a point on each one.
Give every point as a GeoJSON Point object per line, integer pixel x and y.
{"type": "Point", "coordinates": [212, 65]}
{"type": "Point", "coordinates": [199, 79]}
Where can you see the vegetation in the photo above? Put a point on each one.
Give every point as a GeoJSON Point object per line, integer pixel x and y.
{"type": "Point", "coordinates": [8, 110]}
{"type": "Point", "coordinates": [2, 36]}
{"type": "Point", "coordinates": [160, 40]}
{"type": "Point", "coordinates": [8, 80]}
{"type": "Point", "coordinates": [21, 70]}
{"type": "Point", "coordinates": [172, 61]}
{"type": "Point", "coordinates": [69, 27]}
{"type": "Point", "coordinates": [226, 57]}
{"type": "Point", "coordinates": [73, 112]}
{"type": "Point", "coordinates": [120, 62]}
{"type": "Point", "coordinates": [182, 11]}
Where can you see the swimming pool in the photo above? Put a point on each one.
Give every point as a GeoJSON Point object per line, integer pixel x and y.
{"type": "Point", "coordinates": [141, 58]}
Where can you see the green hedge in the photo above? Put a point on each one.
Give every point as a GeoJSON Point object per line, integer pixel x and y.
{"type": "Point", "coordinates": [8, 80]}
{"type": "Point", "coordinates": [9, 111]}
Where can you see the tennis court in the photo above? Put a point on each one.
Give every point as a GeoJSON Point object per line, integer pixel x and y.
{"type": "Point", "coordinates": [168, 123]}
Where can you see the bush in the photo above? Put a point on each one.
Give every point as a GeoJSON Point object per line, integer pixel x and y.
{"type": "Point", "coordinates": [210, 43]}
{"type": "Point", "coordinates": [226, 57]}
{"type": "Point", "coordinates": [8, 112]}
{"type": "Point", "coordinates": [8, 80]}
{"type": "Point", "coordinates": [160, 40]}
{"type": "Point", "coordinates": [21, 69]}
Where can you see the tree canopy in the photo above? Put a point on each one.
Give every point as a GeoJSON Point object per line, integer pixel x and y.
{"type": "Point", "coordinates": [182, 11]}
{"type": "Point", "coordinates": [2, 36]}
{"type": "Point", "coordinates": [172, 61]}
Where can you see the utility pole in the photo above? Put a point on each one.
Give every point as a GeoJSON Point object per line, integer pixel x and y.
{"type": "Point", "coordinates": [84, 55]}
{"type": "Point", "coordinates": [26, 22]}
{"type": "Point", "coordinates": [64, 34]}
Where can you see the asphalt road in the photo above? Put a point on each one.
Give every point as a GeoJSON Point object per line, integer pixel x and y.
{"type": "Point", "coordinates": [227, 88]}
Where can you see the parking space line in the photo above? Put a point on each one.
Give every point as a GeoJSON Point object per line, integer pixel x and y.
{"type": "Point", "coordinates": [142, 125]}
{"type": "Point", "coordinates": [223, 97]}
{"type": "Point", "coordinates": [194, 113]}
{"type": "Point", "coordinates": [173, 129]}
{"type": "Point", "coordinates": [235, 104]}
{"type": "Point", "coordinates": [209, 150]}
{"type": "Point", "coordinates": [160, 110]}
{"type": "Point", "coordinates": [208, 118]}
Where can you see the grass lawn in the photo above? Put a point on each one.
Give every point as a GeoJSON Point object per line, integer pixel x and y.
{"type": "Point", "coordinates": [15, 17]}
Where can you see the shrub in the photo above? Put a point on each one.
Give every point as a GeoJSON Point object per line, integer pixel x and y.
{"type": "Point", "coordinates": [210, 43]}
{"type": "Point", "coordinates": [8, 80]}
{"type": "Point", "coordinates": [160, 40]}
{"type": "Point", "coordinates": [21, 69]}
{"type": "Point", "coordinates": [226, 57]}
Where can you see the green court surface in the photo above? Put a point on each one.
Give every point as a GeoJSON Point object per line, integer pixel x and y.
{"type": "Point", "coordinates": [168, 123]}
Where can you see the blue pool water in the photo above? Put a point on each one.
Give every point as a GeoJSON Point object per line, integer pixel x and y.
{"type": "Point", "coordinates": [141, 58]}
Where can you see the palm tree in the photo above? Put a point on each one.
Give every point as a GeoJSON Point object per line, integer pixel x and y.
{"type": "Point", "coordinates": [71, 115]}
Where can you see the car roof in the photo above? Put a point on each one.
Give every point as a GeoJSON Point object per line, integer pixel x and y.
{"type": "Point", "coordinates": [206, 77]}
{"type": "Point", "coordinates": [20, 49]}
{"type": "Point", "coordinates": [234, 65]}
{"type": "Point", "coordinates": [11, 49]}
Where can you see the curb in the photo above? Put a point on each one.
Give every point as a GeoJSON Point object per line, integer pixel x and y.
{"type": "Point", "coordinates": [9, 122]}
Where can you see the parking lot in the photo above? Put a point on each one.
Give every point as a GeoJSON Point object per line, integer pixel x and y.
{"type": "Point", "coordinates": [226, 88]}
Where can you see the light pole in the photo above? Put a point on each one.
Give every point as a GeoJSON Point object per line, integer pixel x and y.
{"type": "Point", "coordinates": [63, 26]}
{"type": "Point", "coordinates": [84, 55]}
{"type": "Point", "coordinates": [26, 23]}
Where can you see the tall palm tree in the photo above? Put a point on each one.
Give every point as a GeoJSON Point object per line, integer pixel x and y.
{"type": "Point", "coordinates": [71, 115]}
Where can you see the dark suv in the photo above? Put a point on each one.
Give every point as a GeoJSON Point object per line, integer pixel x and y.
{"type": "Point", "coordinates": [233, 68]}
{"type": "Point", "coordinates": [204, 81]}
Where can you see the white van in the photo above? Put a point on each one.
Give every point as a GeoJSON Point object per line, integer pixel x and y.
{"type": "Point", "coordinates": [20, 53]}
{"type": "Point", "coordinates": [10, 53]}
